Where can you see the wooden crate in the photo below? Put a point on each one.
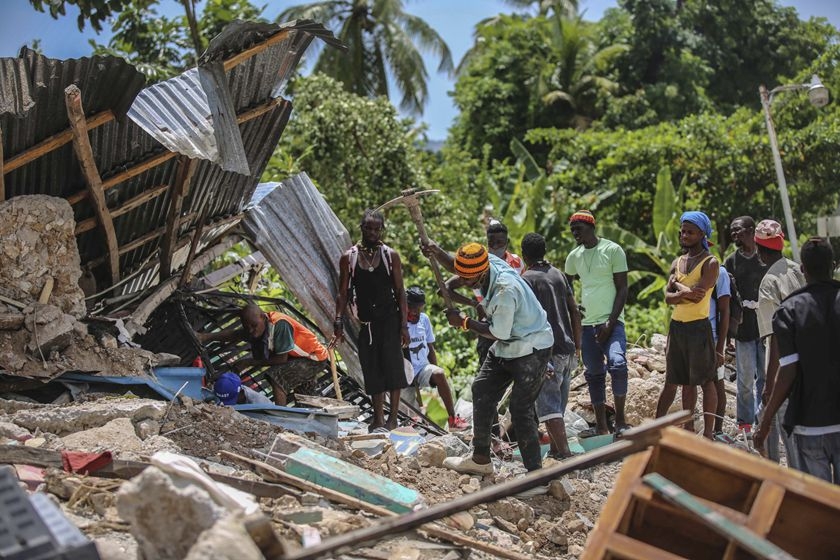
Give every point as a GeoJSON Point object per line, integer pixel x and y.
{"type": "Point", "coordinates": [794, 511]}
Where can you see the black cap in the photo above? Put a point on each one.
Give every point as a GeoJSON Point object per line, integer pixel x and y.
{"type": "Point", "coordinates": [415, 295]}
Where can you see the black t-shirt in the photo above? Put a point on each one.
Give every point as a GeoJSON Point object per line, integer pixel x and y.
{"type": "Point", "coordinates": [807, 329]}
{"type": "Point", "coordinates": [748, 272]}
{"type": "Point", "coordinates": [551, 288]}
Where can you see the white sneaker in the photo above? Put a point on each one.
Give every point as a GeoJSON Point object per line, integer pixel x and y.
{"type": "Point", "coordinates": [466, 465]}
{"type": "Point", "coordinates": [535, 491]}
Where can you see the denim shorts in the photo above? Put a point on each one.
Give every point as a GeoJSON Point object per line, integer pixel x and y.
{"type": "Point", "coordinates": [424, 376]}
{"type": "Point", "coordinates": [554, 395]}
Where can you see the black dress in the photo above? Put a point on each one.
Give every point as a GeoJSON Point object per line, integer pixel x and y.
{"type": "Point", "coordinates": [380, 345]}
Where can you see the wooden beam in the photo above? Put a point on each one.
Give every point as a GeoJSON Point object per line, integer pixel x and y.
{"type": "Point", "coordinates": [84, 154]}
{"type": "Point", "coordinates": [53, 142]}
{"type": "Point", "coordinates": [124, 208]}
{"type": "Point", "coordinates": [186, 168]}
{"type": "Point", "coordinates": [166, 156]}
{"type": "Point", "coordinates": [239, 58]}
{"type": "Point", "coordinates": [185, 274]}
{"type": "Point", "coordinates": [139, 242]}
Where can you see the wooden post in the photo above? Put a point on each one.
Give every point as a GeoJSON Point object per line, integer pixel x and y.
{"type": "Point", "coordinates": [179, 191]}
{"type": "Point", "coordinates": [186, 273]}
{"type": "Point", "coordinates": [84, 153]}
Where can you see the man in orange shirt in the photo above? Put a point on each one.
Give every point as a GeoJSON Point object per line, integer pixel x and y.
{"type": "Point", "coordinates": [292, 351]}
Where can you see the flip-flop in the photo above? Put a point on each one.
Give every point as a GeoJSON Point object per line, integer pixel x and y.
{"type": "Point", "coordinates": [620, 431]}
{"type": "Point", "coordinates": [587, 433]}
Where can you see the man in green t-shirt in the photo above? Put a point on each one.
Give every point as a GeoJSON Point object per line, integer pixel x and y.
{"type": "Point", "coordinates": [601, 266]}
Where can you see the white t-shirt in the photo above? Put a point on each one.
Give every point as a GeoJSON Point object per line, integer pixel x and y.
{"type": "Point", "coordinates": [421, 335]}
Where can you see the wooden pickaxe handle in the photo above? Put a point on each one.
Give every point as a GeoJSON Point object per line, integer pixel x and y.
{"type": "Point", "coordinates": [417, 218]}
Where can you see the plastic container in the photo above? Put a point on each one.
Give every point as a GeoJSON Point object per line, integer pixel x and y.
{"type": "Point", "coordinates": [174, 377]}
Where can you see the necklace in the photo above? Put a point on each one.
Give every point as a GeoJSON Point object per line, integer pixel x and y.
{"type": "Point", "coordinates": [368, 261]}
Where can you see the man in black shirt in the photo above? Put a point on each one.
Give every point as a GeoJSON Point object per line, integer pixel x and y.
{"type": "Point", "coordinates": [748, 271]}
{"type": "Point", "coordinates": [806, 330]}
{"type": "Point", "coordinates": [557, 298]}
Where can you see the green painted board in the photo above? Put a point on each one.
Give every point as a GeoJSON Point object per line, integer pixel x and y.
{"type": "Point", "coordinates": [351, 480]}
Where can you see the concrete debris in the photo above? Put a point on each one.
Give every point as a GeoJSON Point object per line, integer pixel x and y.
{"type": "Point", "coordinates": [13, 431]}
{"type": "Point", "coordinates": [63, 420]}
{"type": "Point", "coordinates": [117, 434]}
{"type": "Point", "coordinates": [39, 242]}
{"type": "Point", "coordinates": [227, 539]}
{"type": "Point", "coordinates": [166, 515]}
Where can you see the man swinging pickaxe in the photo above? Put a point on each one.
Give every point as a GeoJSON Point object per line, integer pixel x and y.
{"type": "Point", "coordinates": [411, 199]}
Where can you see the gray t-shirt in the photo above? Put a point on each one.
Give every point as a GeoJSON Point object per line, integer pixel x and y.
{"type": "Point", "coordinates": [253, 397]}
{"type": "Point", "coordinates": [782, 279]}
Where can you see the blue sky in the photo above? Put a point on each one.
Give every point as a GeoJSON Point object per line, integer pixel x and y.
{"type": "Point", "coordinates": [453, 19]}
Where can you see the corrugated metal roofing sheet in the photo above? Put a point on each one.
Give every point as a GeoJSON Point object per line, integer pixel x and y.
{"type": "Point", "coordinates": [303, 239]}
{"type": "Point", "coordinates": [193, 114]}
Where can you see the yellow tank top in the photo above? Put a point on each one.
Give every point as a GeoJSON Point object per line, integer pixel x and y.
{"type": "Point", "coordinates": [685, 312]}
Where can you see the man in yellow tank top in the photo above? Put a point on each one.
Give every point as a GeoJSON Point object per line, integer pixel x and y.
{"type": "Point", "coordinates": [690, 355]}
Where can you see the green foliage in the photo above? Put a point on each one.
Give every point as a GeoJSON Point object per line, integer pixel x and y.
{"type": "Point", "coordinates": [384, 42]}
{"type": "Point", "coordinates": [95, 12]}
{"type": "Point", "coordinates": [163, 47]}
{"type": "Point", "coordinates": [645, 318]}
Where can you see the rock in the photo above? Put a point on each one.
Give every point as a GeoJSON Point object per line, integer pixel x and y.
{"type": "Point", "coordinates": [226, 540]}
{"type": "Point", "coordinates": [454, 446]}
{"type": "Point", "coordinates": [557, 534]}
{"type": "Point", "coordinates": [73, 418]}
{"type": "Point", "coordinates": [147, 428]}
{"type": "Point", "coordinates": [575, 550]}
{"type": "Point", "coordinates": [13, 431]}
{"type": "Point", "coordinates": [511, 510]}
{"type": "Point", "coordinates": [117, 435]}
{"type": "Point", "coordinates": [53, 334]}
{"type": "Point", "coordinates": [658, 342]}
{"type": "Point", "coordinates": [575, 525]}
{"type": "Point", "coordinates": [166, 517]}
{"type": "Point", "coordinates": [472, 485]}
{"type": "Point", "coordinates": [432, 454]}
{"type": "Point", "coordinates": [523, 524]}
{"type": "Point", "coordinates": [562, 489]}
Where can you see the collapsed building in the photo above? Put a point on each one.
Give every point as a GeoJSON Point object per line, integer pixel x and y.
{"type": "Point", "coordinates": [114, 199]}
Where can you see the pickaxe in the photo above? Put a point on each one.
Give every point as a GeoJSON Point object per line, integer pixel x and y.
{"type": "Point", "coordinates": [411, 199]}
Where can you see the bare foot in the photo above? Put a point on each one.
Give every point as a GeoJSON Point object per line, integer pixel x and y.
{"type": "Point", "coordinates": [391, 424]}
{"type": "Point", "coordinates": [373, 426]}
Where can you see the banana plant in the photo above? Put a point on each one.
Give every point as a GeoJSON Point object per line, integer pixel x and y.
{"type": "Point", "coordinates": [526, 201]}
{"type": "Point", "coordinates": [667, 207]}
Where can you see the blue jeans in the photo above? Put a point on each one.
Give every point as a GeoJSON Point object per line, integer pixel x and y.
{"type": "Point", "coordinates": [749, 363]}
{"type": "Point", "coordinates": [820, 455]}
{"type": "Point", "coordinates": [598, 359]}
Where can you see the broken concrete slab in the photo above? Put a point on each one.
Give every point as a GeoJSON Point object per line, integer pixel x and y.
{"type": "Point", "coordinates": [351, 480]}
{"type": "Point", "coordinates": [67, 419]}
{"type": "Point", "coordinates": [117, 435]}
{"type": "Point", "coordinates": [166, 515]}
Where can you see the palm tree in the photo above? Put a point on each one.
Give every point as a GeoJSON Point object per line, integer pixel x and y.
{"type": "Point", "coordinates": [578, 77]}
{"type": "Point", "coordinates": [565, 8]}
{"type": "Point", "coordinates": [382, 41]}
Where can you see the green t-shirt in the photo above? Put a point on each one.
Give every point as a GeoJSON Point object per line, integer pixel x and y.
{"type": "Point", "coordinates": [284, 337]}
{"type": "Point", "coordinates": [596, 267]}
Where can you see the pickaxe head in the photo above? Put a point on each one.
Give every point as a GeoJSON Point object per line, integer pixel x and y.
{"type": "Point", "coordinates": [409, 197]}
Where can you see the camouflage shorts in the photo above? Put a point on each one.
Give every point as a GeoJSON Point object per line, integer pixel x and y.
{"type": "Point", "coordinates": [294, 373]}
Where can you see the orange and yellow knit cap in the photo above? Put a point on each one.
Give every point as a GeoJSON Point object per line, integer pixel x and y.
{"type": "Point", "coordinates": [582, 216]}
{"type": "Point", "coordinates": [471, 260]}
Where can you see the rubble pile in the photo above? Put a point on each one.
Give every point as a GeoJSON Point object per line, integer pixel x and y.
{"type": "Point", "coordinates": [41, 334]}
{"type": "Point", "coordinates": [137, 517]}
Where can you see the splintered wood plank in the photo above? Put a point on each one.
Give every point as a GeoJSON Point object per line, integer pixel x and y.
{"type": "Point", "coordinates": [199, 229]}
{"type": "Point", "coordinates": [84, 154]}
{"type": "Point", "coordinates": [125, 207]}
{"type": "Point", "coordinates": [631, 549]}
{"type": "Point", "coordinates": [745, 538]}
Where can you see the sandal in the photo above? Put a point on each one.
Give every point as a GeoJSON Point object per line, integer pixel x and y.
{"type": "Point", "coordinates": [619, 431]}
{"type": "Point", "coordinates": [588, 433]}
